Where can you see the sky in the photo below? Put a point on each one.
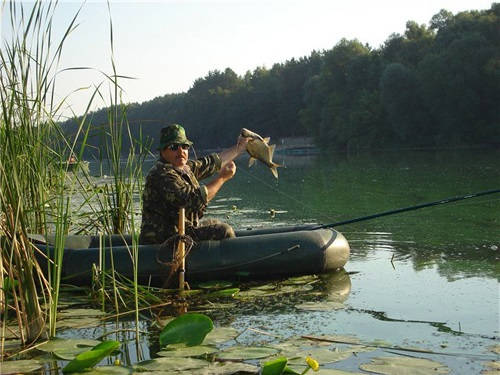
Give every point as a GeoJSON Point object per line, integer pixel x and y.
{"type": "Point", "coordinates": [166, 45]}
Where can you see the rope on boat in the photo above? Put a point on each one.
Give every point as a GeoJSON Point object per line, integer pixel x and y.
{"type": "Point", "coordinates": [282, 252]}
{"type": "Point", "coordinates": [176, 262]}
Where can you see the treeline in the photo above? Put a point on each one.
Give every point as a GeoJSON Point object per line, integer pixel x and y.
{"type": "Point", "coordinates": [437, 85]}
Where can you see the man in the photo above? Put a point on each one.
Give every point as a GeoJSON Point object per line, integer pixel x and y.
{"type": "Point", "coordinates": [173, 182]}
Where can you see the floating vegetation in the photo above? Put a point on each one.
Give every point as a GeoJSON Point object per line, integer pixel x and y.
{"type": "Point", "coordinates": [320, 306]}
{"type": "Point", "coordinates": [238, 352]}
{"type": "Point", "coordinates": [92, 357]}
{"type": "Point", "coordinates": [176, 350]}
{"type": "Point", "coordinates": [190, 329]}
{"type": "Point", "coordinates": [67, 349]}
{"type": "Point", "coordinates": [404, 365]}
{"type": "Point", "coordinates": [20, 366]}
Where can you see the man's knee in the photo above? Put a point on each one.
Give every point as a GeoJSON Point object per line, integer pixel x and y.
{"type": "Point", "coordinates": [214, 230]}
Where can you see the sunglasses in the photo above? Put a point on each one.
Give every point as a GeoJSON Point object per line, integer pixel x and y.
{"type": "Point", "coordinates": [175, 146]}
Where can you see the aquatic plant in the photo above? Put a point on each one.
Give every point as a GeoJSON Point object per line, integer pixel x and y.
{"type": "Point", "coordinates": [31, 164]}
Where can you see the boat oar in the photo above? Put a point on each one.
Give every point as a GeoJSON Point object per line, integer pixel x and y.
{"type": "Point", "coordinates": [363, 218]}
{"type": "Point", "coordinates": [181, 249]}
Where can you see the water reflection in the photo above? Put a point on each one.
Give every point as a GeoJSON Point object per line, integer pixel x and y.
{"type": "Point", "coordinates": [337, 285]}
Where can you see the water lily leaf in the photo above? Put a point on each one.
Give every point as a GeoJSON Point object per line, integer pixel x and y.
{"type": "Point", "coordinates": [275, 366]}
{"type": "Point", "coordinates": [227, 368]}
{"type": "Point", "coordinates": [79, 318]}
{"type": "Point", "coordinates": [320, 306]}
{"type": "Point", "coordinates": [404, 365]}
{"type": "Point", "coordinates": [20, 366]}
{"type": "Point", "coordinates": [495, 349]}
{"type": "Point", "coordinates": [321, 355]}
{"type": "Point", "coordinates": [492, 368]}
{"type": "Point", "coordinates": [331, 371]}
{"type": "Point", "coordinates": [220, 335]}
{"type": "Point", "coordinates": [187, 351]}
{"type": "Point", "coordinates": [247, 352]}
{"type": "Point", "coordinates": [224, 293]}
{"type": "Point", "coordinates": [92, 357]}
{"type": "Point", "coordinates": [61, 345]}
{"type": "Point", "coordinates": [301, 280]}
{"type": "Point", "coordinates": [217, 284]}
{"type": "Point", "coordinates": [109, 370]}
{"type": "Point", "coordinates": [171, 364]}
{"type": "Point", "coordinates": [254, 293]}
{"type": "Point", "coordinates": [190, 328]}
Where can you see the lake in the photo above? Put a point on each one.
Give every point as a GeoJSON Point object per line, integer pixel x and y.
{"type": "Point", "coordinates": [424, 280]}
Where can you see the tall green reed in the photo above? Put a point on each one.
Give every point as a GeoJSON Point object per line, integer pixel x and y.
{"type": "Point", "coordinates": [28, 157]}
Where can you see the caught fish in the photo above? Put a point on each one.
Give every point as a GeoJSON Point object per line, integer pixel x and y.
{"type": "Point", "coordinates": [259, 148]}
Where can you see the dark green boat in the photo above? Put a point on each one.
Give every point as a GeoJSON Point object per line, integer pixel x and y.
{"type": "Point", "coordinates": [253, 254]}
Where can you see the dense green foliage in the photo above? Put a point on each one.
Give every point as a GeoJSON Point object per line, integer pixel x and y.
{"type": "Point", "coordinates": [433, 86]}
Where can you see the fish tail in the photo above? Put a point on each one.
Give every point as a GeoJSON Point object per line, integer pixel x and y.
{"type": "Point", "coordinates": [274, 171]}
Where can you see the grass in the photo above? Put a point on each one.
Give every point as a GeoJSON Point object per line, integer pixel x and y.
{"type": "Point", "coordinates": [35, 193]}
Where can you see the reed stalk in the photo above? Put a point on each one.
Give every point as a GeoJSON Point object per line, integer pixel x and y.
{"type": "Point", "coordinates": [32, 167]}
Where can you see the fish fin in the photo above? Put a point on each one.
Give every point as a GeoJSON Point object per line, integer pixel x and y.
{"type": "Point", "coordinates": [251, 161]}
{"type": "Point", "coordinates": [266, 140]}
{"type": "Point", "coordinates": [274, 171]}
{"type": "Point", "coordinates": [272, 147]}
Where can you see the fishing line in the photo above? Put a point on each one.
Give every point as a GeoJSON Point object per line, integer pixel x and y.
{"type": "Point", "coordinates": [299, 202]}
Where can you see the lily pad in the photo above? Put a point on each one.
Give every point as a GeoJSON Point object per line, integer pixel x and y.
{"type": "Point", "coordinates": [67, 349]}
{"type": "Point", "coordinates": [275, 366]}
{"type": "Point", "coordinates": [404, 365]}
{"type": "Point", "coordinates": [255, 293]}
{"type": "Point", "coordinates": [321, 355]}
{"type": "Point", "coordinates": [92, 357]}
{"type": "Point", "coordinates": [227, 368]}
{"type": "Point", "coordinates": [187, 351]}
{"type": "Point", "coordinates": [190, 329]}
{"type": "Point", "coordinates": [79, 318]}
{"type": "Point", "coordinates": [320, 306]}
{"type": "Point", "coordinates": [301, 280]}
{"type": "Point", "coordinates": [109, 370]}
{"type": "Point", "coordinates": [220, 335]}
{"type": "Point", "coordinates": [247, 352]}
{"type": "Point", "coordinates": [492, 368]}
{"type": "Point", "coordinates": [20, 366]}
{"type": "Point", "coordinates": [171, 364]}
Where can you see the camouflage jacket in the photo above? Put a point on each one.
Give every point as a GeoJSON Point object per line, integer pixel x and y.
{"type": "Point", "coordinates": [167, 189]}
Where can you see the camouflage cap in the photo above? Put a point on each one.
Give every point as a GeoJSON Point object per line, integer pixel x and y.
{"type": "Point", "coordinates": [173, 134]}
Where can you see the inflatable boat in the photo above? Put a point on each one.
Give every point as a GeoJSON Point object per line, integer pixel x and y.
{"type": "Point", "coordinates": [252, 254]}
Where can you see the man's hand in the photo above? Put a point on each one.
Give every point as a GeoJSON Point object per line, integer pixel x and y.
{"type": "Point", "coordinates": [241, 144]}
{"type": "Point", "coordinates": [227, 171]}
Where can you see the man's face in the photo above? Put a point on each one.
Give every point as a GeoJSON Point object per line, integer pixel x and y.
{"type": "Point", "coordinates": [176, 154]}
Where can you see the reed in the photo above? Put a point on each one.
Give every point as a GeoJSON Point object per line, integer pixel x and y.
{"type": "Point", "coordinates": [35, 195]}
{"type": "Point", "coordinates": [30, 161]}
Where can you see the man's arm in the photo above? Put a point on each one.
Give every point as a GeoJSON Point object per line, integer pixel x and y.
{"type": "Point", "coordinates": [232, 153]}
{"type": "Point", "coordinates": [225, 174]}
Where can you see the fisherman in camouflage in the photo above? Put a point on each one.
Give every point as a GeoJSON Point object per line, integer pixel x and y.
{"type": "Point", "coordinates": [173, 182]}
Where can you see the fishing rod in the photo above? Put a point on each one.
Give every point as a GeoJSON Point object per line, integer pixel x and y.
{"type": "Point", "coordinates": [369, 217]}
{"type": "Point", "coordinates": [411, 208]}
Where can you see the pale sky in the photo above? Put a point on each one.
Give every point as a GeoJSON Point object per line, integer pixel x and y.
{"type": "Point", "coordinates": [168, 44]}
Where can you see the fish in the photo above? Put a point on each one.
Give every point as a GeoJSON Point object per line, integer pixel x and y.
{"type": "Point", "coordinates": [259, 149]}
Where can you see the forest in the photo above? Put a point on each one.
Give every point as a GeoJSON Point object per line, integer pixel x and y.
{"type": "Point", "coordinates": [435, 86]}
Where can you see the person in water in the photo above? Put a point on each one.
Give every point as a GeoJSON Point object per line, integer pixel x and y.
{"type": "Point", "coordinates": [173, 182]}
